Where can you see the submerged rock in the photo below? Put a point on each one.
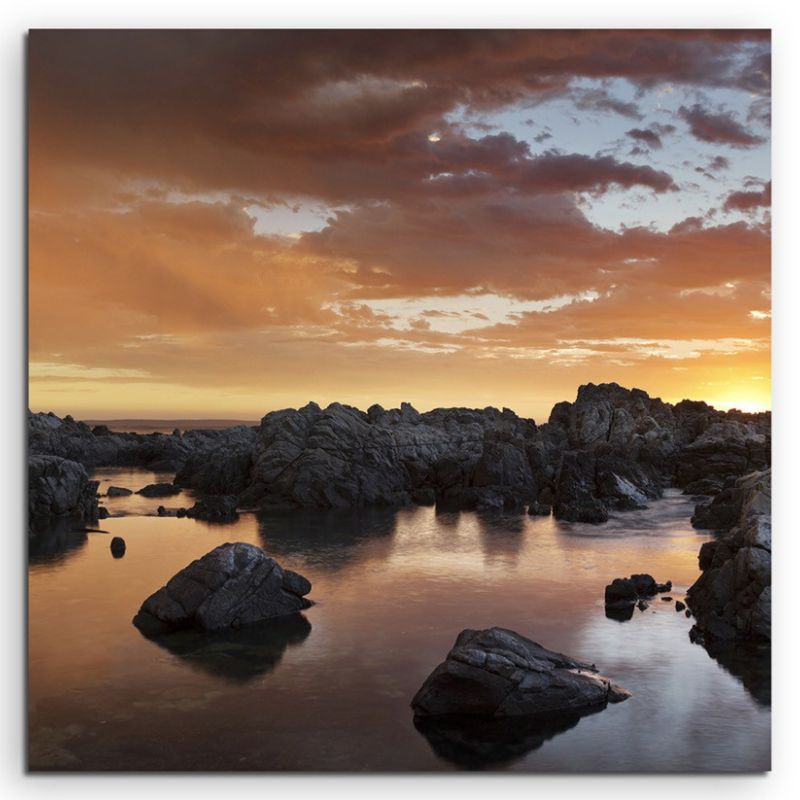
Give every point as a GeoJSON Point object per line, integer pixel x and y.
{"type": "Point", "coordinates": [497, 673]}
{"type": "Point", "coordinates": [159, 490]}
{"type": "Point", "coordinates": [232, 586]}
{"type": "Point", "coordinates": [215, 508]}
{"type": "Point", "coordinates": [118, 491]}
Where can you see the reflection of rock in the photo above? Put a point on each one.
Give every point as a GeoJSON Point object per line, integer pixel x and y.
{"type": "Point", "coordinates": [55, 542]}
{"type": "Point", "coordinates": [472, 743]}
{"type": "Point", "coordinates": [333, 538]}
{"type": "Point", "coordinates": [497, 673]}
{"type": "Point", "coordinates": [749, 662]}
{"type": "Point", "coordinates": [232, 586]}
{"type": "Point", "coordinates": [238, 656]}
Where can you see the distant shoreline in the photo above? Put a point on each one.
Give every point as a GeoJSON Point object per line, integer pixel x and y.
{"type": "Point", "coordinates": [168, 425]}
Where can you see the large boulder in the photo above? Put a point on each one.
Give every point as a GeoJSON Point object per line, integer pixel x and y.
{"type": "Point", "coordinates": [232, 586]}
{"type": "Point", "coordinates": [497, 673]}
{"type": "Point", "coordinates": [58, 487]}
{"type": "Point", "coordinates": [732, 598]}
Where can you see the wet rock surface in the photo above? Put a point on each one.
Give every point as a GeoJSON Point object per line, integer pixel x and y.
{"type": "Point", "coordinates": [230, 587]}
{"type": "Point", "coordinates": [497, 673]}
{"type": "Point", "coordinates": [732, 598]}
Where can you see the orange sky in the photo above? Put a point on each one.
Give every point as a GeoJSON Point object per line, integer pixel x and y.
{"type": "Point", "coordinates": [225, 223]}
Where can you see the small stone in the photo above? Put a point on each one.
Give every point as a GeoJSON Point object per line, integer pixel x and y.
{"type": "Point", "coordinates": [117, 547]}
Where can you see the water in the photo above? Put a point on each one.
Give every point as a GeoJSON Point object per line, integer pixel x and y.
{"type": "Point", "coordinates": [330, 689]}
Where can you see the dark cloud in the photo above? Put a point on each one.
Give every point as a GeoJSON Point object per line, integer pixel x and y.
{"type": "Point", "coordinates": [749, 200]}
{"type": "Point", "coordinates": [718, 128]}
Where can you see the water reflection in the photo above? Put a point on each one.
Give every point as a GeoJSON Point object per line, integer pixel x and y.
{"type": "Point", "coordinates": [56, 543]}
{"type": "Point", "coordinates": [502, 536]}
{"type": "Point", "coordinates": [477, 744]}
{"type": "Point", "coordinates": [749, 663]}
{"type": "Point", "coordinates": [238, 656]}
{"type": "Point", "coordinates": [333, 539]}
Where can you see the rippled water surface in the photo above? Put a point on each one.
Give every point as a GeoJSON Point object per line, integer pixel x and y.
{"type": "Point", "coordinates": [330, 689]}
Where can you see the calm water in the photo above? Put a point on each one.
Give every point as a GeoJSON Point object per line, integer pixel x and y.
{"type": "Point", "coordinates": [330, 690]}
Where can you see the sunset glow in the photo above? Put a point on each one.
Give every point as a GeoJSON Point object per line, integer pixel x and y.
{"type": "Point", "coordinates": [445, 218]}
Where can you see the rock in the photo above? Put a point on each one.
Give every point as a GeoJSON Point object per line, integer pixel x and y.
{"type": "Point", "coordinates": [424, 497]}
{"type": "Point", "coordinates": [496, 673]}
{"type": "Point", "coordinates": [218, 508]}
{"type": "Point", "coordinates": [539, 509]}
{"type": "Point", "coordinates": [643, 605]}
{"type": "Point", "coordinates": [679, 606]}
{"type": "Point", "coordinates": [667, 599]}
{"type": "Point", "coordinates": [232, 586]}
{"type": "Point", "coordinates": [58, 487]}
{"type": "Point", "coordinates": [118, 491]}
{"type": "Point", "coordinates": [624, 592]}
{"type": "Point", "coordinates": [159, 490]}
{"type": "Point", "coordinates": [732, 598]}
{"type": "Point", "coordinates": [117, 547]}
{"type": "Point", "coordinates": [688, 613]}
{"type": "Point", "coordinates": [620, 592]}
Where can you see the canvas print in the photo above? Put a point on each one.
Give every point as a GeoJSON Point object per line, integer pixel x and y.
{"type": "Point", "coordinates": [399, 400]}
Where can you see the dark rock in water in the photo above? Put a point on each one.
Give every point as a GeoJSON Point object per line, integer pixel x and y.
{"type": "Point", "coordinates": [620, 593]}
{"type": "Point", "coordinates": [159, 490]}
{"type": "Point", "coordinates": [117, 547]}
{"type": "Point", "coordinates": [118, 491]}
{"type": "Point", "coordinates": [667, 599]}
{"type": "Point", "coordinates": [623, 592]}
{"type": "Point", "coordinates": [238, 656]}
{"type": "Point", "coordinates": [215, 508]}
{"type": "Point", "coordinates": [497, 673]}
{"type": "Point", "coordinates": [688, 613]}
{"type": "Point", "coordinates": [232, 586]}
{"type": "Point", "coordinates": [424, 497]}
{"type": "Point", "coordinates": [475, 743]}
{"type": "Point", "coordinates": [102, 512]}
{"type": "Point", "coordinates": [539, 509]}
{"type": "Point", "coordinates": [620, 613]}
{"type": "Point", "coordinates": [679, 606]}
{"type": "Point", "coordinates": [732, 598]}
{"type": "Point", "coordinates": [643, 605]}
{"type": "Point", "coordinates": [58, 487]}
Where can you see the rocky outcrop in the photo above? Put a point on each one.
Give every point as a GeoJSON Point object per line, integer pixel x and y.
{"type": "Point", "coordinates": [215, 508]}
{"type": "Point", "coordinates": [624, 592]}
{"type": "Point", "coordinates": [59, 488]}
{"type": "Point", "coordinates": [497, 673]}
{"type": "Point", "coordinates": [232, 586]}
{"type": "Point", "coordinates": [732, 597]}
{"type": "Point", "coordinates": [613, 449]}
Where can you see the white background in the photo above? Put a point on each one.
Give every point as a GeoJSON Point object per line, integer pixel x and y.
{"type": "Point", "coordinates": [16, 18]}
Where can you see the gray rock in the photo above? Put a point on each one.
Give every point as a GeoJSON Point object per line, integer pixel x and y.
{"type": "Point", "coordinates": [215, 508]}
{"type": "Point", "coordinates": [58, 487]}
{"type": "Point", "coordinates": [159, 490]}
{"type": "Point", "coordinates": [118, 491]}
{"type": "Point", "coordinates": [232, 586]}
{"type": "Point", "coordinates": [732, 597]}
{"type": "Point", "coordinates": [497, 673]}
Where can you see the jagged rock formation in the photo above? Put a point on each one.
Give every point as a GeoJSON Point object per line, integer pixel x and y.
{"type": "Point", "coordinates": [732, 598]}
{"type": "Point", "coordinates": [59, 488]}
{"type": "Point", "coordinates": [612, 449]}
{"type": "Point", "coordinates": [232, 586]}
{"type": "Point", "coordinates": [497, 673]}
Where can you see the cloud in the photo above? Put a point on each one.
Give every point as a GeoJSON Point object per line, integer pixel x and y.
{"type": "Point", "coordinates": [721, 128]}
{"type": "Point", "coordinates": [749, 201]}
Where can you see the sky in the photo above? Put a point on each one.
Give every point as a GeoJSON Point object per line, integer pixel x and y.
{"type": "Point", "coordinates": [224, 223]}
